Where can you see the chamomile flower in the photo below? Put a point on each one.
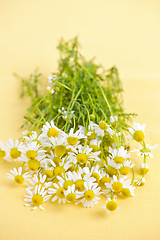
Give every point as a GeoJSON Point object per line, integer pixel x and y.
{"type": "Point", "coordinates": [128, 190]}
{"type": "Point", "coordinates": [95, 144]}
{"type": "Point", "coordinates": [82, 155]}
{"type": "Point", "coordinates": [30, 136]}
{"type": "Point", "coordinates": [116, 184]}
{"type": "Point", "coordinates": [105, 178]}
{"type": "Point", "coordinates": [48, 166]}
{"type": "Point", "coordinates": [94, 131]}
{"type": "Point", "coordinates": [13, 150]}
{"type": "Point", "coordinates": [40, 180]}
{"type": "Point", "coordinates": [119, 155]}
{"type": "Point", "coordinates": [112, 167]}
{"type": "Point", "coordinates": [73, 138]}
{"type": "Point", "coordinates": [67, 182]}
{"type": "Point", "coordinates": [126, 166]}
{"type": "Point", "coordinates": [50, 130]}
{"type": "Point", "coordinates": [96, 172]}
{"type": "Point", "coordinates": [90, 195]}
{"type": "Point", "coordinates": [145, 151]}
{"type": "Point", "coordinates": [140, 182]}
{"type": "Point", "coordinates": [68, 115]}
{"type": "Point", "coordinates": [138, 132]}
{"type": "Point", "coordinates": [49, 172]}
{"type": "Point", "coordinates": [59, 145]}
{"type": "Point", "coordinates": [80, 177]}
{"type": "Point", "coordinates": [36, 197]}
{"type": "Point", "coordinates": [71, 194]}
{"type": "Point", "coordinates": [18, 176]}
{"type": "Point", "coordinates": [111, 205]}
{"type": "Point", "coordinates": [57, 192]}
{"type": "Point", "coordinates": [103, 125]}
{"type": "Point", "coordinates": [32, 154]}
{"type": "Point", "coordinates": [144, 168]}
{"type": "Point", "coordinates": [63, 167]}
{"type": "Point", "coordinates": [100, 175]}
{"type": "Point", "coordinates": [52, 159]}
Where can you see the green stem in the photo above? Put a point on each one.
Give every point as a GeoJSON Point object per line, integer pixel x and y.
{"type": "Point", "coordinates": [38, 103]}
{"type": "Point", "coordinates": [63, 85]}
{"type": "Point", "coordinates": [90, 75]}
{"type": "Point", "coordinates": [108, 105]}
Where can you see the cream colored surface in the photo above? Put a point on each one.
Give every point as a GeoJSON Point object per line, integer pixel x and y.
{"type": "Point", "coordinates": [121, 33]}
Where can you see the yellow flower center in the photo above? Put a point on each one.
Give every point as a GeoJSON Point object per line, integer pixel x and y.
{"type": "Point", "coordinates": [57, 89]}
{"type": "Point", "coordinates": [112, 171]}
{"type": "Point", "coordinates": [58, 171]}
{"type": "Point", "coordinates": [49, 173]}
{"type": "Point", "coordinates": [138, 136]}
{"type": "Point", "coordinates": [2, 153]}
{"type": "Point", "coordinates": [14, 153]}
{"type": "Point", "coordinates": [60, 150]}
{"type": "Point", "coordinates": [19, 179]}
{"type": "Point", "coordinates": [111, 205]}
{"type": "Point", "coordinates": [37, 200]}
{"type": "Point", "coordinates": [95, 148]}
{"type": "Point", "coordinates": [72, 167]}
{"type": "Point", "coordinates": [105, 180]}
{"type": "Point", "coordinates": [126, 192]}
{"type": "Point", "coordinates": [82, 158]}
{"type": "Point", "coordinates": [92, 136]}
{"type": "Point", "coordinates": [57, 160]}
{"type": "Point", "coordinates": [89, 195]}
{"type": "Point", "coordinates": [33, 164]}
{"type": "Point", "coordinates": [79, 185]}
{"type": "Point", "coordinates": [71, 197]}
{"type": "Point", "coordinates": [67, 184]}
{"type": "Point", "coordinates": [31, 154]}
{"type": "Point", "coordinates": [103, 125]}
{"type": "Point", "coordinates": [124, 170]}
{"type": "Point", "coordinates": [96, 176]}
{"type": "Point", "coordinates": [144, 170]}
{"type": "Point", "coordinates": [60, 193]}
{"type": "Point", "coordinates": [117, 187]}
{"type": "Point", "coordinates": [118, 159]}
{"type": "Point", "coordinates": [52, 132]}
{"type": "Point", "coordinates": [72, 140]}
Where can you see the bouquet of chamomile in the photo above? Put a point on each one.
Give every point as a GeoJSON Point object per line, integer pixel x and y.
{"type": "Point", "coordinates": [76, 142]}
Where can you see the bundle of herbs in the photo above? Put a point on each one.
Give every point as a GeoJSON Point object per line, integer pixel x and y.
{"type": "Point", "coordinates": [76, 143]}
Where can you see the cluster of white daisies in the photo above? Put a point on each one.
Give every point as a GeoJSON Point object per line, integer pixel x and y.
{"type": "Point", "coordinates": [74, 167]}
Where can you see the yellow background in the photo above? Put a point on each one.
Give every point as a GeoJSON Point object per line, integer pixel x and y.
{"type": "Point", "coordinates": [121, 33]}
